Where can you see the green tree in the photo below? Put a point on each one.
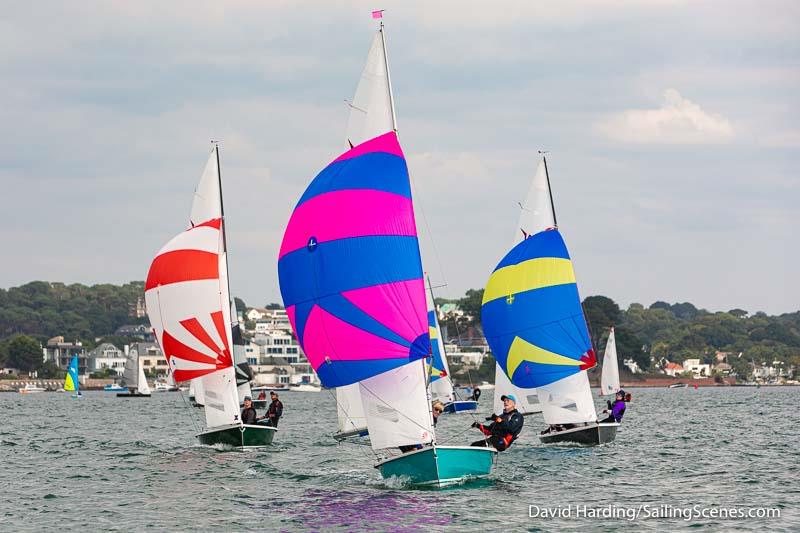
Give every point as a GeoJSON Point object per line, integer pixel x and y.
{"type": "Point", "coordinates": [470, 304]}
{"type": "Point", "coordinates": [241, 307]}
{"type": "Point", "coordinates": [24, 353]}
{"type": "Point", "coordinates": [601, 313]}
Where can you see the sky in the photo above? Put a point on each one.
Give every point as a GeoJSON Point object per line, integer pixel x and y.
{"type": "Point", "coordinates": [672, 129]}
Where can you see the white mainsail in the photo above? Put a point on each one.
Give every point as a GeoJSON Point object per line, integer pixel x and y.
{"type": "Point", "coordinates": [396, 407]}
{"type": "Point", "coordinates": [371, 111]}
{"type": "Point", "coordinates": [350, 410]}
{"type": "Point", "coordinates": [609, 379]}
{"type": "Point", "coordinates": [142, 387]}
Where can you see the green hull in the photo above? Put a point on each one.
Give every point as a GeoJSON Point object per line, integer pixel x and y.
{"type": "Point", "coordinates": [237, 436]}
{"type": "Point", "coordinates": [440, 466]}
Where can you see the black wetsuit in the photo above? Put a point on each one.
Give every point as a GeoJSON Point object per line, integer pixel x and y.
{"type": "Point", "coordinates": [501, 434]}
{"type": "Point", "coordinates": [274, 413]}
{"type": "Point", "coordinates": [248, 415]}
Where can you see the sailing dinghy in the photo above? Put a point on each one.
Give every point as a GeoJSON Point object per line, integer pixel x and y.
{"type": "Point", "coordinates": [71, 383]}
{"type": "Point", "coordinates": [189, 305]}
{"type": "Point", "coordinates": [351, 279]}
{"type": "Point", "coordinates": [134, 379]}
{"type": "Point", "coordinates": [441, 386]}
{"type": "Point", "coordinates": [534, 323]}
{"type": "Point", "coordinates": [609, 378]}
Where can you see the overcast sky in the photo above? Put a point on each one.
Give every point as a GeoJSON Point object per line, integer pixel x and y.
{"type": "Point", "coordinates": [672, 128]}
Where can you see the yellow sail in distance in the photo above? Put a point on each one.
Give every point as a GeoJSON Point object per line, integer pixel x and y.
{"type": "Point", "coordinates": [527, 276]}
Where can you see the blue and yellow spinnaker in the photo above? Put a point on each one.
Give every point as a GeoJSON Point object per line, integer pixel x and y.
{"type": "Point", "coordinates": [532, 316]}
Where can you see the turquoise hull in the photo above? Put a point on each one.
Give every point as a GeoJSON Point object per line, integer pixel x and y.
{"type": "Point", "coordinates": [440, 466]}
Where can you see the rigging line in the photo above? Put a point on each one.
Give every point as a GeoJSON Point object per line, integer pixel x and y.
{"type": "Point", "coordinates": [336, 400]}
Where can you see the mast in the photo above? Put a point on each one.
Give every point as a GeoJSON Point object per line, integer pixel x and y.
{"type": "Point", "coordinates": [224, 232]}
{"type": "Point", "coordinates": [388, 76]}
{"type": "Point", "coordinates": [549, 188]}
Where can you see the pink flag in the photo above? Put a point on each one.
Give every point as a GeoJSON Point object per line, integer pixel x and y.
{"type": "Point", "coordinates": [378, 14]}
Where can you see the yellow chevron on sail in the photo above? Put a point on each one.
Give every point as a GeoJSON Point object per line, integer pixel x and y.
{"type": "Point", "coordinates": [522, 350]}
{"type": "Point", "coordinates": [69, 385]}
{"type": "Point", "coordinates": [528, 275]}
{"type": "Point", "coordinates": [432, 333]}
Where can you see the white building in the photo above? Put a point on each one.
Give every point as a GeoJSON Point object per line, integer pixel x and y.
{"type": "Point", "coordinates": [256, 313]}
{"type": "Point", "coordinates": [150, 357]}
{"type": "Point", "coordinates": [632, 366]}
{"type": "Point", "coordinates": [106, 356]}
{"type": "Point", "coordinates": [473, 358]}
{"type": "Point", "coordinates": [274, 343]}
{"type": "Point", "coordinates": [697, 368]}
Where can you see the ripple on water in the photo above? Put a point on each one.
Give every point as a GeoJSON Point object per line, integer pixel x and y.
{"type": "Point", "coordinates": [134, 456]}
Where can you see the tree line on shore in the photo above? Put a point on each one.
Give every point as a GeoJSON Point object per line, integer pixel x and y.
{"type": "Point", "coordinates": [37, 311]}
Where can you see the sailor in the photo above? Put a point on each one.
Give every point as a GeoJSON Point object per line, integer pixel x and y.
{"type": "Point", "coordinates": [275, 410]}
{"type": "Point", "coordinates": [262, 395]}
{"type": "Point", "coordinates": [248, 412]}
{"type": "Point", "coordinates": [504, 429]}
{"type": "Point", "coordinates": [436, 409]}
{"type": "Point", "coordinates": [617, 409]}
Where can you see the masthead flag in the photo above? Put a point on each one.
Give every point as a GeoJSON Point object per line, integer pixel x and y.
{"type": "Point", "coordinates": [378, 14]}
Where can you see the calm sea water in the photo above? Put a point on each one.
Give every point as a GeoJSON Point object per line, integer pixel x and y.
{"type": "Point", "coordinates": [103, 463]}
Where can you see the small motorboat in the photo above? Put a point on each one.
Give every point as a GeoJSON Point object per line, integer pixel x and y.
{"type": "Point", "coordinates": [679, 386]}
{"type": "Point", "coordinates": [114, 387]}
{"type": "Point", "coordinates": [31, 388]}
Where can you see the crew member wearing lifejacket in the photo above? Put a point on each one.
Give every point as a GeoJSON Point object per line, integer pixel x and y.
{"type": "Point", "coordinates": [274, 412]}
{"type": "Point", "coordinates": [504, 428]}
{"type": "Point", "coordinates": [617, 409]}
{"type": "Point", "coordinates": [248, 415]}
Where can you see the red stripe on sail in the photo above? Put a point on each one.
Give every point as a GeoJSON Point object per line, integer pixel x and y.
{"type": "Point", "coordinates": [193, 326]}
{"type": "Point", "coordinates": [213, 223]}
{"type": "Point", "coordinates": [182, 265]}
{"type": "Point", "coordinates": [186, 375]}
{"type": "Point", "coordinates": [588, 360]}
{"type": "Point", "coordinates": [226, 360]}
{"type": "Point", "coordinates": [175, 348]}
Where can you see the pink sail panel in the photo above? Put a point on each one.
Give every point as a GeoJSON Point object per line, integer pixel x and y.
{"type": "Point", "coordinates": [403, 295]}
{"type": "Point", "coordinates": [364, 208]}
{"type": "Point", "coordinates": [386, 143]}
{"type": "Point", "coordinates": [324, 333]}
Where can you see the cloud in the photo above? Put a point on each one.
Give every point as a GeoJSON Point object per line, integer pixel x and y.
{"type": "Point", "coordinates": [677, 121]}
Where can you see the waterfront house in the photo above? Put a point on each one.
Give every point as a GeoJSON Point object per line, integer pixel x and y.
{"type": "Point", "coordinates": [61, 353]}
{"type": "Point", "coordinates": [106, 356]}
{"type": "Point", "coordinates": [700, 370]}
{"type": "Point", "coordinates": [673, 369]}
{"type": "Point", "coordinates": [150, 357]}
{"type": "Point", "coordinates": [632, 366]}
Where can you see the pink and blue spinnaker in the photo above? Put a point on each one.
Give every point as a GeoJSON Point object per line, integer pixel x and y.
{"type": "Point", "coordinates": [349, 267]}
